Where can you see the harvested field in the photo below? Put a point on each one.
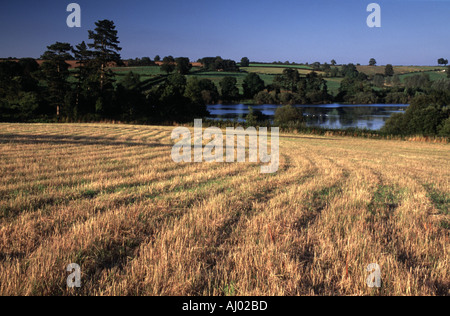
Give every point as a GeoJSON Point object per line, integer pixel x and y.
{"type": "Point", "coordinates": [109, 198]}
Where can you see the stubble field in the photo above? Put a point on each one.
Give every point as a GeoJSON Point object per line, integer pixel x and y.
{"type": "Point", "coordinates": [110, 198]}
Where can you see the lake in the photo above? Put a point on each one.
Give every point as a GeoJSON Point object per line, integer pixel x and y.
{"type": "Point", "coordinates": [332, 116]}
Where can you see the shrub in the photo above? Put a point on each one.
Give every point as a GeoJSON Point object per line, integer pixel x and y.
{"type": "Point", "coordinates": [288, 116]}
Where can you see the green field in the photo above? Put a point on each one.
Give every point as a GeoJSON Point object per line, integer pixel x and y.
{"type": "Point", "coordinates": [267, 72]}
{"type": "Point", "coordinates": [144, 71]}
{"type": "Point", "coordinates": [280, 66]}
{"type": "Point", "coordinates": [434, 75]}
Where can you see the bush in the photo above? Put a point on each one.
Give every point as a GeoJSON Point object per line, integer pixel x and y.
{"type": "Point", "coordinates": [444, 130]}
{"type": "Point", "coordinates": [288, 116]}
{"type": "Point", "coordinates": [396, 98]}
{"type": "Point", "coordinates": [252, 85]}
{"type": "Point", "coordinates": [395, 124]}
{"type": "Point", "coordinates": [254, 117]}
{"type": "Point", "coordinates": [264, 97]}
{"type": "Point", "coordinates": [425, 116]}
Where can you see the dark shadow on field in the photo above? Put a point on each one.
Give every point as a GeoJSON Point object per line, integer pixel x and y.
{"type": "Point", "coordinates": [11, 256]}
{"type": "Point", "coordinates": [81, 140]}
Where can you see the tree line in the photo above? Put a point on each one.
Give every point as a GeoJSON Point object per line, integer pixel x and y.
{"type": "Point", "coordinates": [91, 91]}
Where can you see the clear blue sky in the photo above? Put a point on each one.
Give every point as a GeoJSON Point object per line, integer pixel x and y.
{"type": "Point", "coordinates": [413, 32]}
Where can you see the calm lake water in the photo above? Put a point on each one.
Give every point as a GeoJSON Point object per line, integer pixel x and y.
{"type": "Point", "coordinates": [333, 116]}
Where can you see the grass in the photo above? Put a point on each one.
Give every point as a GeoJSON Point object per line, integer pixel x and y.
{"type": "Point", "coordinates": [275, 70]}
{"type": "Point", "coordinates": [400, 70]}
{"type": "Point", "coordinates": [434, 75]}
{"type": "Point", "coordinates": [333, 85]}
{"type": "Point", "coordinates": [109, 198]}
{"type": "Point", "coordinates": [280, 66]}
{"type": "Point", "coordinates": [144, 71]}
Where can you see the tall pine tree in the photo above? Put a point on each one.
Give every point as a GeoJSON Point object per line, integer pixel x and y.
{"type": "Point", "coordinates": [56, 73]}
{"type": "Point", "coordinates": [106, 49]}
{"type": "Point", "coordinates": [85, 74]}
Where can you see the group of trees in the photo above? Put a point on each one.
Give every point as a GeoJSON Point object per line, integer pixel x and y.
{"type": "Point", "coordinates": [140, 62]}
{"type": "Point", "coordinates": [20, 93]}
{"type": "Point", "coordinates": [27, 90]}
{"type": "Point", "coordinates": [359, 88]}
{"type": "Point", "coordinates": [91, 91]}
{"type": "Point", "coordinates": [291, 88]}
{"type": "Point", "coordinates": [182, 65]}
{"type": "Point", "coordinates": [219, 64]}
{"type": "Point", "coordinates": [427, 115]}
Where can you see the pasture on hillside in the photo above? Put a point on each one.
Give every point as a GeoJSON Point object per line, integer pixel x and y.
{"type": "Point", "coordinates": [110, 198]}
{"type": "Point", "coordinates": [267, 72]}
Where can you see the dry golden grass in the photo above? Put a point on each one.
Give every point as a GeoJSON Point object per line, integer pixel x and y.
{"type": "Point", "coordinates": [109, 198]}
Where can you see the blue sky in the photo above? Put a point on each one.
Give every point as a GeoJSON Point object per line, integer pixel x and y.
{"type": "Point", "coordinates": [413, 32]}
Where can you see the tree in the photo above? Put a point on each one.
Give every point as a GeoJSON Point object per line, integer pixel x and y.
{"type": "Point", "coordinates": [250, 118]}
{"type": "Point", "coordinates": [396, 80]}
{"type": "Point", "coordinates": [421, 81]}
{"type": "Point", "coordinates": [316, 65]}
{"type": "Point", "coordinates": [85, 70]}
{"type": "Point", "coordinates": [288, 115]}
{"type": "Point", "coordinates": [131, 80]}
{"type": "Point", "coordinates": [264, 97]}
{"type": "Point", "coordinates": [157, 58]}
{"type": "Point", "coordinates": [19, 90]}
{"type": "Point", "coordinates": [444, 130]}
{"type": "Point", "coordinates": [389, 70]}
{"type": "Point", "coordinates": [252, 85]}
{"type": "Point", "coordinates": [106, 49]}
{"type": "Point", "coordinates": [58, 53]}
{"type": "Point", "coordinates": [56, 73]}
{"type": "Point", "coordinates": [130, 102]}
{"type": "Point", "coordinates": [146, 61]}
{"type": "Point", "coordinates": [183, 65]}
{"type": "Point", "coordinates": [333, 62]}
{"type": "Point", "coordinates": [254, 116]}
{"type": "Point", "coordinates": [229, 89]}
{"type": "Point", "coordinates": [372, 62]}
{"type": "Point", "coordinates": [378, 80]}
{"type": "Point", "coordinates": [82, 55]}
{"type": "Point", "coordinates": [168, 64]}
{"type": "Point", "coordinates": [209, 63]}
{"type": "Point", "coordinates": [442, 61]}
{"type": "Point", "coordinates": [326, 68]}
{"type": "Point", "coordinates": [171, 100]}
{"type": "Point", "coordinates": [349, 71]}
{"type": "Point", "coordinates": [290, 79]}
{"type": "Point", "coordinates": [201, 91]}
{"type": "Point", "coordinates": [245, 62]}
{"type": "Point", "coordinates": [426, 115]}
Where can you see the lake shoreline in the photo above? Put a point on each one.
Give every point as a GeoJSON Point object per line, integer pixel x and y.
{"type": "Point", "coordinates": [329, 116]}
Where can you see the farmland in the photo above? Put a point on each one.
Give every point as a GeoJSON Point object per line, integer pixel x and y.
{"type": "Point", "coordinates": [109, 198]}
{"type": "Point", "coordinates": [267, 72]}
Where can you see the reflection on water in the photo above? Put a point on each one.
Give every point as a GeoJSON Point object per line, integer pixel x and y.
{"type": "Point", "coordinates": [333, 116]}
